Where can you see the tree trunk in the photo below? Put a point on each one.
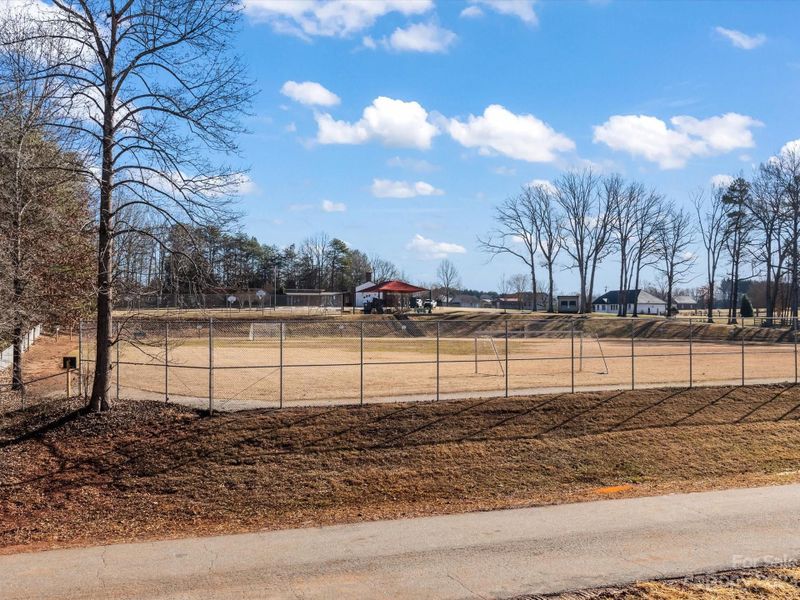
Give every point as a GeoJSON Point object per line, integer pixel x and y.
{"type": "Point", "coordinates": [768, 291]}
{"type": "Point", "coordinates": [533, 285]}
{"type": "Point", "coordinates": [589, 307]}
{"type": "Point", "coordinates": [17, 381]}
{"type": "Point", "coordinates": [102, 372]}
{"type": "Point", "coordinates": [550, 303]}
{"type": "Point", "coordinates": [623, 305]}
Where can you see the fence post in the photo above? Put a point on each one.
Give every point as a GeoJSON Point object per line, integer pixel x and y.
{"type": "Point", "coordinates": [437, 359]}
{"type": "Point", "coordinates": [117, 343]}
{"type": "Point", "coordinates": [794, 331]}
{"type": "Point", "coordinates": [166, 361]}
{"type": "Point", "coordinates": [362, 364]}
{"type": "Point", "coordinates": [210, 365]}
{"type": "Point", "coordinates": [742, 354]}
{"type": "Point", "coordinates": [691, 361]}
{"type": "Point", "coordinates": [280, 373]}
{"type": "Point", "coordinates": [633, 355]}
{"type": "Point", "coordinates": [572, 353]}
{"type": "Point", "coordinates": [506, 369]}
{"type": "Point", "coordinates": [80, 358]}
{"type": "Point", "coordinates": [476, 355]}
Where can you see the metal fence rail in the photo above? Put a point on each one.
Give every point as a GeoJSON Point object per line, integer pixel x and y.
{"type": "Point", "coordinates": [280, 363]}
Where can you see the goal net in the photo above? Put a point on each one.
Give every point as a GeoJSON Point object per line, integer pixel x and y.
{"type": "Point", "coordinates": [487, 356]}
{"type": "Point", "coordinates": [266, 331]}
{"type": "Point", "coordinates": [590, 354]}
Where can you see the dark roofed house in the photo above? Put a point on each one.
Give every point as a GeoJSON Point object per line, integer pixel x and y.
{"type": "Point", "coordinates": [647, 303]}
{"type": "Point", "coordinates": [684, 303]}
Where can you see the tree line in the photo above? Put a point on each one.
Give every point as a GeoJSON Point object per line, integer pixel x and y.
{"type": "Point", "coordinates": [207, 259]}
{"type": "Point", "coordinates": [582, 219]}
{"type": "Point", "coordinates": [749, 230]}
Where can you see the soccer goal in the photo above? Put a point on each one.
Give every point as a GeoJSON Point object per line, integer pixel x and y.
{"type": "Point", "coordinates": [589, 340]}
{"type": "Point", "coordinates": [487, 357]}
{"type": "Point", "coordinates": [266, 331]}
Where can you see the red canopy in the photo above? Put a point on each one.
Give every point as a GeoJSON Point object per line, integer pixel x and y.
{"type": "Point", "coordinates": [394, 286]}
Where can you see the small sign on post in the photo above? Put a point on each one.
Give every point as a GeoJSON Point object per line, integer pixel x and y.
{"type": "Point", "coordinates": [69, 363]}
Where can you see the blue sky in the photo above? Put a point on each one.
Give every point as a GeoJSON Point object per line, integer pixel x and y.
{"type": "Point", "coordinates": [397, 125]}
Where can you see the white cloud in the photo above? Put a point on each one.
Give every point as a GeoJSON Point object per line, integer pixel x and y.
{"type": "Point", "coordinates": [792, 147]}
{"type": "Point", "coordinates": [471, 12]}
{"type": "Point", "coordinates": [245, 186]}
{"type": "Point", "coordinates": [503, 170]}
{"type": "Point", "coordinates": [391, 122]}
{"type": "Point", "coordinates": [429, 249]}
{"type": "Point", "coordinates": [329, 206]}
{"type": "Point", "coordinates": [413, 164]}
{"type": "Point", "coordinates": [309, 93]}
{"type": "Point", "coordinates": [741, 40]}
{"type": "Point", "coordinates": [721, 181]}
{"type": "Point", "coordinates": [545, 183]}
{"type": "Point", "coordinates": [387, 188]}
{"type": "Point", "coordinates": [331, 18]}
{"type": "Point", "coordinates": [523, 137]}
{"type": "Point", "coordinates": [671, 147]}
{"type": "Point", "coordinates": [523, 9]}
{"type": "Point", "coordinates": [421, 37]}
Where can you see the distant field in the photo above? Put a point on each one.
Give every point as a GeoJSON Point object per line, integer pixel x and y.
{"type": "Point", "coordinates": [329, 368]}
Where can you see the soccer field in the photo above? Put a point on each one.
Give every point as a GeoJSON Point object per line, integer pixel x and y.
{"type": "Point", "coordinates": [347, 362]}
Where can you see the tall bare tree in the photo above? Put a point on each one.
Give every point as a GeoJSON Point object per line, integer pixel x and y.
{"type": "Point", "coordinates": [516, 232]}
{"type": "Point", "coordinates": [785, 169]}
{"type": "Point", "coordinates": [447, 278]}
{"type": "Point", "coordinates": [676, 236]}
{"type": "Point", "coordinates": [649, 212]}
{"type": "Point", "coordinates": [711, 218]}
{"type": "Point", "coordinates": [766, 205]}
{"type": "Point", "coordinates": [622, 202]}
{"type": "Point", "coordinates": [155, 90]}
{"type": "Point", "coordinates": [547, 219]}
{"type": "Point", "coordinates": [586, 227]}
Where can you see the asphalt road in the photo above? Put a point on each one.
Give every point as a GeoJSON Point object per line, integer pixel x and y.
{"type": "Point", "coordinates": [476, 555]}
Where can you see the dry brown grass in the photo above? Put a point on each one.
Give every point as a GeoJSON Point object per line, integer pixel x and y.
{"type": "Point", "coordinates": [749, 584]}
{"type": "Point", "coordinates": [150, 470]}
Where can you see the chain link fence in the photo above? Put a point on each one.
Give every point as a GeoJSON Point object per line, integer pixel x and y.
{"type": "Point", "coordinates": [222, 364]}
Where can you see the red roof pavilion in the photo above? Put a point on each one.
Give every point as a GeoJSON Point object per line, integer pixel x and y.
{"type": "Point", "coordinates": [394, 286]}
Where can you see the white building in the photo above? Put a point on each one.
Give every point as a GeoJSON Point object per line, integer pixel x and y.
{"type": "Point", "coordinates": [647, 303]}
{"type": "Point", "coordinates": [362, 297]}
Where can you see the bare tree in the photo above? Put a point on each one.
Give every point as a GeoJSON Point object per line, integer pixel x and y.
{"type": "Point", "coordinates": [711, 218]}
{"type": "Point", "coordinates": [649, 212]}
{"type": "Point", "coordinates": [154, 89]}
{"type": "Point", "coordinates": [447, 278]}
{"type": "Point", "coordinates": [622, 202]}
{"type": "Point", "coordinates": [676, 236]}
{"type": "Point", "coordinates": [516, 232]}
{"type": "Point", "coordinates": [314, 251]}
{"type": "Point", "coordinates": [586, 227]}
{"type": "Point", "coordinates": [547, 219]}
{"type": "Point", "coordinates": [766, 206]}
{"type": "Point", "coordinates": [519, 284]}
{"type": "Point", "coordinates": [785, 169]}
{"type": "Point", "coordinates": [382, 269]}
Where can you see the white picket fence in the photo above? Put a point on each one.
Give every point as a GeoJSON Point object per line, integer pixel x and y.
{"type": "Point", "coordinates": [7, 354]}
